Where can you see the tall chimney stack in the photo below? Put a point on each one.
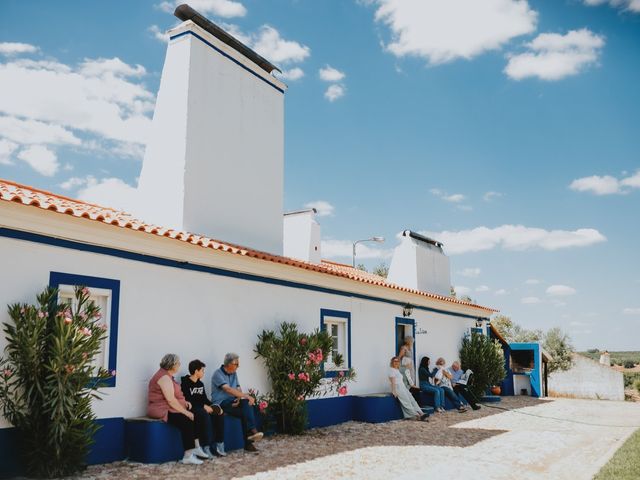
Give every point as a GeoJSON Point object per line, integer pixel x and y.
{"type": "Point", "coordinates": [214, 164]}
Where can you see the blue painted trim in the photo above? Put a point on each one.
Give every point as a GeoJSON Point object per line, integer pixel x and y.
{"type": "Point", "coordinates": [58, 278]}
{"type": "Point", "coordinates": [406, 321]}
{"type": "Point", "coordinates": [140, 257]}
{"type": "Point", "coordinates": [325, 312]}
{"type": "Point", "coordinates": [189, 32]}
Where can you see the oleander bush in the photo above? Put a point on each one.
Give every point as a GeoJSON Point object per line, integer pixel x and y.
{"type": "Point", "coordinates": [48, 380]}
{"type": "Point", "coordinates": [485, 358]}
{"type": "Point", "coordinates": [295, 366]}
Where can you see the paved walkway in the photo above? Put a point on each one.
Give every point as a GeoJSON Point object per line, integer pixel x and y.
{"type": "Point", "coordinates": [538, 443]}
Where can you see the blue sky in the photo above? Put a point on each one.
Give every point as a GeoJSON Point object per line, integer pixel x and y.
{"type": "Point", "coordinates": [508, 129]}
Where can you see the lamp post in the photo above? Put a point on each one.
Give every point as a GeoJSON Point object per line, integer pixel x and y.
{"type": "Point", "coordinates": [372, 239]}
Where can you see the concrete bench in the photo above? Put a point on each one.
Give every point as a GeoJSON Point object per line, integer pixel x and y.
{"type": "Point", "coordinates": [149, 440]}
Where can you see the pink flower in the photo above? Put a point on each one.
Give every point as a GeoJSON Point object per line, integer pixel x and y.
{"type": "Point", "coordinates": [7, 373]}
{"type": "Point", "coordinates": [70, 368]}
{"type": "Point", "coordinates": [68, 320]}
{"type": "Point", "coordinates": [308, 362]}
{"type": "Point", "coordinates": [113, 373]}
{"type": "Point", "coordinates": [303, 341]}
{"type": "Point", "coordinates": [103, 327]}
{"type": "Point", "coordinates": [22, 311]}
{"type": "Point", "coordinates": [262, 406]}
{"type": "Point", "coordinates": [301, 397]}
{"type": "Point", "coordinates": [342, 390]}
{"type": "Point", "coordinates": [98, 316]}
{"type": "Point", "coordinates": [85, 355]}
{"type": "Point", "coordinates": [41, 314]}
{"type": "Point", "coordinates": [86, 291]}
{"type": "Point", "coordinates": [292, 376]}
{"type": "Point", "coordinates": [302, 376]}
{"type": "Point", "coordinates": [341, 374]}
{"type": "Point", "coordinates": [86, 332]}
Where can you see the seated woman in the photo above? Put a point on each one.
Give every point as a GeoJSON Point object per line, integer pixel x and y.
{"type": "Point", "coordinates": [410, 408]}
{"type": "Point", "coordinates": [442, 379]}
{"type": "Point", "coordinates": [425, 375]}
{"type": "Point", "coordinates": [167, 403]}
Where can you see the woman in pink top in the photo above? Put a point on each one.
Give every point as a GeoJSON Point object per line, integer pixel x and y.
{"type": "Point", "coordinates": [167, 403]}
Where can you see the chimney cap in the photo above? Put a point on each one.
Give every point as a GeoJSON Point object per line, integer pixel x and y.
{"type": "Point", "coordinates": [184, 12]}
{"type": "Point", "coordinates": [422, 238]}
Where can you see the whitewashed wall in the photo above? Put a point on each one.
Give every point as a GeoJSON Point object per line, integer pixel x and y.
{"type": "Point", "coordinates": [587, 379]}
{"type": "Point", "coordinates": [164, 309]}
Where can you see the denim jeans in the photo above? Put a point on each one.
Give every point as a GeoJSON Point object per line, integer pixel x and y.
{"type": "Point", "coordinates": [438, 394]}
{"type": "Point", "coordinates": [244, 412]}
{"type": "Point", "coordinates": [451, 395]}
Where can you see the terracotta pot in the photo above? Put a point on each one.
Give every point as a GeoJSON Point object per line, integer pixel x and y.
{"type": "Point", "coordinates": [495, 390]}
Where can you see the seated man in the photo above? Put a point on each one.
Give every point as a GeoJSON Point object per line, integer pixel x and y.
{"type": "Point", "coordinates": [226, 392]}
{"type": "Point", "coordinates": [194, 393]}
{"type": "Point", "coordinates": [459, 388]}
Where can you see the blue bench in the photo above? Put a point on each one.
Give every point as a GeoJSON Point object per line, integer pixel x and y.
{"type": "Point", "coordinates": [149, 440]}
{"type": "Point", "coordinates": [379, 408]}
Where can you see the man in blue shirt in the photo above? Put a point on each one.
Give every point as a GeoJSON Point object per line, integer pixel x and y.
{"type": "Point", "coordinates": [226, 392]}
{"type": "Point", "coordinates": [459, 388]}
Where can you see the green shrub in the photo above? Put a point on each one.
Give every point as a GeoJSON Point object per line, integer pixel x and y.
{"type": "Point", "coordinates": [629, 364]}
{"type": "Point", "coordinates": [636, 385]}
{"type": "Point", "coordinates": [47, 380]}
{"type": "Point", "coordinates": [294, 364]}
{"type": "Point", "coordinates": [630, 378]}
{"type": "Point", "coordinates": [486, 359]}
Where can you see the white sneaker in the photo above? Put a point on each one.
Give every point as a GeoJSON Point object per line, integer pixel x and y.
{"type": "Point", "coordinates": [256, 437]}
{"type": "Point", "coordinates": [201, 454]}
{"type": "Point", "coordinates": [220, 449]}
{"type": "Point", "coordinates": [191, 460]}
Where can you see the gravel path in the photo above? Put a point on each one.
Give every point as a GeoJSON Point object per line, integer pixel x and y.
{"type": "Point", "coordinates": [283, 450]}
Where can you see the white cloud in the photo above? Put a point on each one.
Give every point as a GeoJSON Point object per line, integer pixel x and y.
{"type": "Point", "coordinates": [270, 45]}
{"type": "Point", "coordinates": [443, 31]}
{"type": "Point", "coordinates": [560, 291]}
{"type": "Point", "coordinates": [344, 249]}
{"type": "Point", "coordinates": [482, 288]}
{"type": "Point", "coordinates": [222, 8]}
{"type": "Point", "coordinates": [324, 208]}
{"type": "Point", "coordinates": [41, 159]}
{"type": "Point", "coordinates": [334, 92]}
{"type": "Point", "coordinates": [631, 311]}
{"type": "Point", "coordinates": [16, 48]}
{"type": "Point", "coordinates": [330, 74]}
{"type": "Point", "coordinates": [552, 56]}
{"type": "Point", "coordinates": [532, 281]}
{"type": "Point", "coordinates": [6, 149]}
{"type": "Point", "coordinates": [470, 272]}
{"type": "Point", "coordinates": [606, 185]}
{"type": "Point", "coordinates": [292, 74]}
{"type": "Point", "coordinates": [501, 291]}
{"type": "Point", "coordinates": [158, 34]}
{"type": "Point", "coordinates": [462, 290]}
{"type": "Point", "coordinates": [109, 192]}
{"type": "Point", "coordinates": [626, 5]}
{"type": "Point", "coordinates": [487, 197]}
{"type": "Point", "coordinates": [75, 182]}
{"type": "Point", "coordinates": [48, 102]}
{"type": "Point", "coordinates": [530, 300]}
{"type": "Point", "coordinates": [515, 237]}
{"type": "Point", "coordinates": [29, 132]}
{"type": "Point", "coordinates": [455, 198]}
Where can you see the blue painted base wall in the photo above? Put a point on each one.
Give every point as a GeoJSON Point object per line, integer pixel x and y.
{"type": "Point", "coordinates": [108, 447]}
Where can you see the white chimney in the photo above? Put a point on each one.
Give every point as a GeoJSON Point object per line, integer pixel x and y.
{"type": "Point", "coordinates": [214, 163]}
{"type": "Point", "coordinates": [419, 263]}
{"type": "Point", "coordinates": [302, 236]}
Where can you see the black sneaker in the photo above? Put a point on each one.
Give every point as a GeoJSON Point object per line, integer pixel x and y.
{"type": "Point", "coordinates": [217, 409]}
{"type": "Point", "coordinates": [424, 417]}
{"type": "Point", "coordinates": [250, 447]}
{"type": "Point", "coordinates": [476, 407]}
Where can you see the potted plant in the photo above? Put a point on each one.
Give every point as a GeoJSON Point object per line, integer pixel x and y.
{"type": "Point", "coordinates": [496, 390]}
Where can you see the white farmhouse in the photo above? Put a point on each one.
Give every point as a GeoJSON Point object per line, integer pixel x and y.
{"type": "Point", "coordinates": [180, 281]}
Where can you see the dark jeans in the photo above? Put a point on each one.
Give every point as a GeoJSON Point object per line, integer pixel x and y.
{"type": "Point", "coordinates": [466, 393]}
{"type": "Point", "coordinates": [188, 428]}
{"type": "Point", "coordinates": [217, 423]}
{"type": "Point", "coordinates": [244, 412]}
{"type": "Point", "coordinates": [451, 395]}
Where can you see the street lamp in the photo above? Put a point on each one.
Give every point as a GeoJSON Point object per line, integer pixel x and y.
{"type": "Point", "coordinates": [372, 239]}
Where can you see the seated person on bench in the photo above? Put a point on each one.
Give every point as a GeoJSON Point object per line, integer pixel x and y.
{"type": "Point", "coordinates": [462, 389]}
{"type": "Point", "coordinates": [226, 392]}
{"type": "Point", "coordinates": [442, 379]}
{"type": "Point", "coordinates": [194, 393]}
{"type": "Point", "coordinates": [167, 403]}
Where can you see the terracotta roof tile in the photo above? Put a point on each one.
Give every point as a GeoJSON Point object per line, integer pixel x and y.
{"type": "Point", "coordinates": [14, 192]}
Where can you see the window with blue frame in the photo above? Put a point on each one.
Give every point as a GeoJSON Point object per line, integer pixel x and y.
{"type": "Point", "coordinates": [338, 325]}
{"type": "Point", "coordinates": [105, 293]}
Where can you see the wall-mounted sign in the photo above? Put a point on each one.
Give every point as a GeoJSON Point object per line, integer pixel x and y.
{"type": "Point", "coordinates": [421, 331]}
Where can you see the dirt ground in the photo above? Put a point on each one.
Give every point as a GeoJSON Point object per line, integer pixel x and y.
{"type": "Point", "coordinates": [282, 450]}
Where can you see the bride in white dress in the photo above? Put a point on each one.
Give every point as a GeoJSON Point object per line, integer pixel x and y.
{"type": "Point", "coordinates": [410, 408]}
